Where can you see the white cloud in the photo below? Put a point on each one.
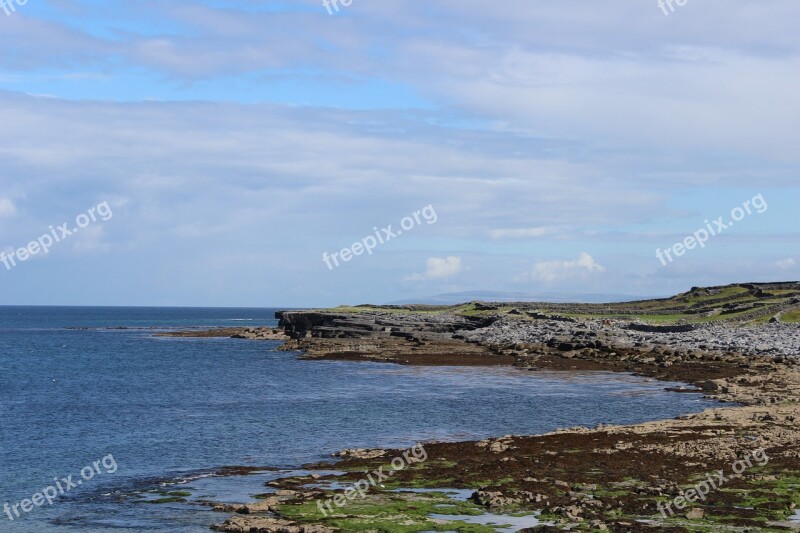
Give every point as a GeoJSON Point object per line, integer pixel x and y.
{"type": "Point", "coordinates": [553, 271]}
{"type": "Point", "coordinates": [7, 208]}
{"type": "Point", "coordinates": [786, 264]}
{"type": "Point", "coordinates": [438, 268]}
{"type": "Point", "coordinates": [519, 233]}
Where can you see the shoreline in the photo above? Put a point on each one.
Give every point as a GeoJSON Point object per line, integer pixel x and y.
{"type": "Point", "coordinates": [610, 477]}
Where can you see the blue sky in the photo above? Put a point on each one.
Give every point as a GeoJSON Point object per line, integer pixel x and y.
{"type": "Point", "coordinates": [560, 144]}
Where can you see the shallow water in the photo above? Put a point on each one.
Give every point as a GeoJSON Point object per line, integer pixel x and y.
{"type": "Point", "coordinates": [504, 523]}
{"type": "Point", "coordinates": [169, 410]}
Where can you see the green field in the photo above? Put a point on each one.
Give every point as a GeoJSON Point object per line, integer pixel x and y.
{"type": "Point", "coordinates": [746, 304]}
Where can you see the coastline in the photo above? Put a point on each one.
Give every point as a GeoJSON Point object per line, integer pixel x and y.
{"type": "Point", "coordinates": [610, 477]}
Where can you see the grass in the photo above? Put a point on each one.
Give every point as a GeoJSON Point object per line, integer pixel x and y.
{"type": "Point", "coordinates": [391, 513]}
{"type": "Point", "coordinates": [791, 316]}
{"type": "Point", "coordinates": [723, 294]}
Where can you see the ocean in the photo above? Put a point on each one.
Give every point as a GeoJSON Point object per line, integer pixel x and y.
{"type": "Point", "coordinates": [93, 394]}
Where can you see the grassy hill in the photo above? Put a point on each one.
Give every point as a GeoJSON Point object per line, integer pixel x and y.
{"type": "Point", "coordinates": [741, 303]}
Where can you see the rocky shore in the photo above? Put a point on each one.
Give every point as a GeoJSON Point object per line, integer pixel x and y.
{"type": "Point", "coordinates": [249, 333]}
{"type": "Point", "coordinates": [774, 339]}
{"type": "Point", "coordinates": [738, 344]}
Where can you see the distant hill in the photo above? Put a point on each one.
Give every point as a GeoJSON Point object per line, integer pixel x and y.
{"type": "Point", "coordinates": [454, 298]}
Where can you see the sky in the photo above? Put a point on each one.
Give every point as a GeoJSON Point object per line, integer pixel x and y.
{"type": "Point", "coordinates": [268, 153]}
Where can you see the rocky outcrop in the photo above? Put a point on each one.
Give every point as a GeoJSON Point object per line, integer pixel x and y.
{"type": "Point", "coordinates": [523, 330]}
{"type": "Point", "coordinates": [374, 322]}
{"type": "Point", "coordinates": [250, 333]}
{"type": "Point", "coordinates": [380, 335]}
{"type": "Point", "coordinates": [444, 338]}
{"type": "Point", "coordinates": [360, 453]}
{"type": "Point", "coordinates": [650, 328]}
{"type": "Point", "coordinates": [260, 334]}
